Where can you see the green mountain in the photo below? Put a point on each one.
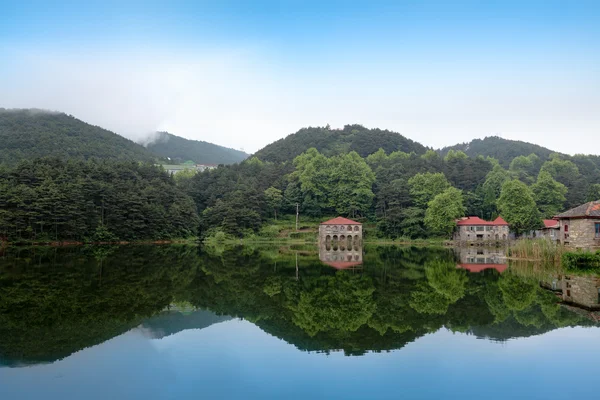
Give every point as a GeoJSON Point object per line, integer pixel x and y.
{"type": "Point", "coordinates": [180, 150]}
{"type": "Point", "coordinates": [503, 150]}
{"type": "Point", "coordinates": [336, 141]}
{"type": "Point", "coordinates": [30, 133]}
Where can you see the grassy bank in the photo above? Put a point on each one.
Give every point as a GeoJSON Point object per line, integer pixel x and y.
{"type": "Point", "coordinates": [543, 250]}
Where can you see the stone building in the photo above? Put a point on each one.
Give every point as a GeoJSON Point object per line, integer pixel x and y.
{"type": "Point", "coordinates": [340, 243]}
{"type": "Point", "coordinates": [471, 229]}
{"type": "Point", "coordinates": [580, 226]}
{"type": "Point", "coordinates": [341, 233]}
{"type": "Point", "coordinates": [551, 230]}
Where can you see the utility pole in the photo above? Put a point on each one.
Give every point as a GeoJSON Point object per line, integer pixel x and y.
{"type": "Point", "coordinates": [297, 214]}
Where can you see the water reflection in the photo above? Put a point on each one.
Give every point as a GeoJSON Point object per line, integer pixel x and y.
{"type": "Point", "coordinates": [477, 259]}
{"type": "Point", "coordinates": [340, 257]}
{"type": "Point", "coordinates": [54, 302]}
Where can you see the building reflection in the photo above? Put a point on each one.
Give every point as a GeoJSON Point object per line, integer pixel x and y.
{"type": "Point", "coordinates": [343, 254]}
{"type": "Point", "coordinates": [579, 290]}
{"type": "Point", "coordinates": [477, 259]}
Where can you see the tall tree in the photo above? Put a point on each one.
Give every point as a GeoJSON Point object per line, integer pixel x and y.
{"type": "Point", "coordinates": [274, 199]}
{"type": "Point", "coordinates": [424, 187]}
{"type": "Point", "coordinates": [549, 195]}
{"type": "Point", "coordinates": [444, 210]}
{"type": "Point", "coordinates": [517, 206]}
{"type": "Point", "coordinates": [593, 192]}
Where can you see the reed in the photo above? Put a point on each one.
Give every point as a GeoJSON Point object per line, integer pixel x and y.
{"type": "Point", "coordinates": [543, 250]}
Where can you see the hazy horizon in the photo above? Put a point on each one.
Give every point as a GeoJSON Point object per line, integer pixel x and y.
{"type": "Point", "coordinates": [244, 75]}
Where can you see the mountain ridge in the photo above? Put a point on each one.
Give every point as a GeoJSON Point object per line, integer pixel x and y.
{"type": "Point", "coordinates": [180, 149]}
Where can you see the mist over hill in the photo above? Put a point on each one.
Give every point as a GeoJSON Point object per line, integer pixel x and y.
{"type": "Point", "coordinates": [31, 133]}
{"type": "Point", "coordinates": [180, 150]}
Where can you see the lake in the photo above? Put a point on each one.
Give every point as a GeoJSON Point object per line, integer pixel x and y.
{"type": "Point", "coordinates": [385, 322]}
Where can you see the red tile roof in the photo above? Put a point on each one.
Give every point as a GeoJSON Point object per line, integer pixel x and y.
{"type": "Point", "coordinates": [480, 267]}
{"type": "Point", "coordinates": [500, 221]}
{"type": "Point", "coordinates": [478, 221]}
{"type": "Point", "coordinates": [550, 223]}
{"type": "Point", "coordinates": [340, 221]}
{"type": "Point", "coordinates": [473, 221]}
{"type": "Point", "coordinates": [343, 264]}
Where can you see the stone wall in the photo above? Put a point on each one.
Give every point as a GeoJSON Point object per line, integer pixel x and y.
{"type": "Point", "coordinates": [581, 232]}
{"type": "Point", "coordinates": [489, 233]}
{"type": "Point", "coordinates": [336, 232]}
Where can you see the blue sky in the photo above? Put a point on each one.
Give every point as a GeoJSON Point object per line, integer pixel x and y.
{"type": "Point", "coordinates": [243, 74]}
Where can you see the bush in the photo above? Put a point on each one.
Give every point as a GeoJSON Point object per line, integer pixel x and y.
{"type": "Point", "coordinates": [581, 260]}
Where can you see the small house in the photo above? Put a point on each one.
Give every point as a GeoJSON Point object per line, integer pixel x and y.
{"type": "Point", "coordinates": [551, 230]}
{"type": "Point", "coordinates": [471, 229]}
{"type": "Point", "coordinates": [580, 226]}
{"type": "Point", "coordinates": [341, 232]}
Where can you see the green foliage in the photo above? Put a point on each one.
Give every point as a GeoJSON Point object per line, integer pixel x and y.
{"type": "Point", "coordinates": [425, 186]}
{"type": "Point", "coordinates": [518, 208]}
{"type": "Point", "coordinates": [28, 134]}
{"type": "Point", "coordinates": [50, 199]}
{"type": "Point", "coordinates": [444, 210]}
{"type": "Point", "coordinates": [492, 188]}
{"type": "Point", "coordinates": [332, 142]}
{"type": "Point", "coordinates": [524, 168]}
{"type": "Point", "coordinates": [342, 183]}
{"type": "Point", "coordinates": [593, 193]}
{"type": "Point", "coordinates": [179, 149]}
{"type": "Point", "coordinates": [274, 199]}
{"type": "Point", "coordinates": [583, 260]}
{"type": "Point", "coordinates": [549, 195]}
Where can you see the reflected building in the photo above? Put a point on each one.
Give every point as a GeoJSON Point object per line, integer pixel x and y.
{"type": "Point", "coordinates": [582, 290]}
{"type": "Point", "coordinates": [340, 243]}
{"type": "Point", "coordinates": [338, 258]}
{"type": "Point", "coordinates": [477, 259]}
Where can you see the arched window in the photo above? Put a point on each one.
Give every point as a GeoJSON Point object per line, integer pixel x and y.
{"type": "Point", "coordinates": [356, 229]}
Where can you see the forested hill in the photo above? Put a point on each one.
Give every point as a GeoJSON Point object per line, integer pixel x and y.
{"type": "Point", "coordinates": [337, 141]}
{"type": "Point", "coordinates": [28, 133]}
{"type": "Point", "coordinates": [503, 150]}
{"type": "Point", "coordinates": [180, 150]}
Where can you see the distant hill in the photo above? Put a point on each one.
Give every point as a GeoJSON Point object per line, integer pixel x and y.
{"type": "Point", "coordinates": [30, 133]}
{"type": "Point", "coordinates": [503, 150]}
{"type": "Point", "coordinates": [335, 141]}
{"type": "Point", "coordinates": [180, 150]}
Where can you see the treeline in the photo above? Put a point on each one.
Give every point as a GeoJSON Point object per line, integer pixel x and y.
{"type": "Point", "coordinates": [51, 199]}
{"type": "Point", "coordinates": [405, 194]}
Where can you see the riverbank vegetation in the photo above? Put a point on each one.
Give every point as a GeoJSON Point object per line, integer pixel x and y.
{"type": "Point", "coordinates": [586, 261]}
{"type": "Point", "coordinates": [416, 194]}
{"type": "Point", "coordinates": [544, 250]}
{"type": "Point", "coordinates": [398, 189]}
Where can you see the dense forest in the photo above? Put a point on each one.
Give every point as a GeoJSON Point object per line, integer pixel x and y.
{"type": "Point", "coordinates": [503, 150]}
{"type": "Point", "coordinates": [378, 177]}
{"type": "Point", "coordinates": [407, 194]}
{"type": "Point", "coordinates": [338, 141]}
{"type": "Point", "coordinates": [54, 302]}
{"type": "Point", "coordinates": [180, 150]}
{"type": "Point", "coordinates": [51, 199]}
{"type": "Point", "coordinates": [29, 134]}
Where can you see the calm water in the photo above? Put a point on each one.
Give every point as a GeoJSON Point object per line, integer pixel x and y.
{"type": "Point", "coordinates": [178, 322]}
